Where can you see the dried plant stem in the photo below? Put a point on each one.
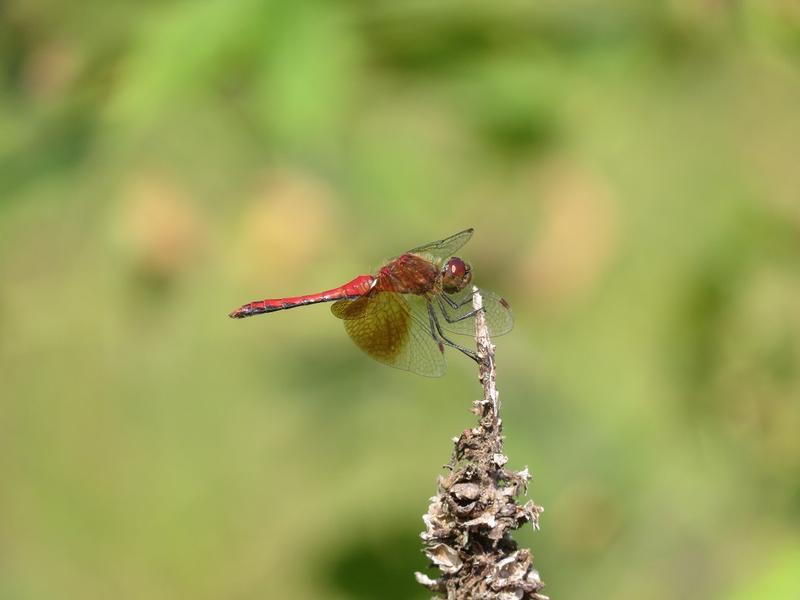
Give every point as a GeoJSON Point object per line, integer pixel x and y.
{"type": "Point", "coordinates": [469, 522]}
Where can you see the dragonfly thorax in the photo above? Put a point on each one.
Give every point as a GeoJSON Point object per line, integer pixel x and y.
{"type": "Point", "coordinates": [456, 275]}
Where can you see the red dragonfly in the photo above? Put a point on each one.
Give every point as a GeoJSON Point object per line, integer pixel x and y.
{"type": "Point", "coordinates": [402, 315]}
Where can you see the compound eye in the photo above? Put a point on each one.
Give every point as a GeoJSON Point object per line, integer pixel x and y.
{"type": "Point", "coordinates": [455, 275]}
{"type": "Point", "coordinates": [456, 268]}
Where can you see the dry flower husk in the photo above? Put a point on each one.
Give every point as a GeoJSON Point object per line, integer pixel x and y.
{"type": "Point", "coordinates": [469, 521]}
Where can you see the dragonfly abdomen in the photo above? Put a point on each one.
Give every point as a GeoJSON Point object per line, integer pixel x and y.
{"type": "Point", "coordinates": [353, 289]}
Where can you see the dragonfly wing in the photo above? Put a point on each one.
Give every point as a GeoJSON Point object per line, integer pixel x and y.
{"type": "Point", "coordinates": [499, 317]}
{"type": "Point", "coordinates": [443, 249]}
{"type": "Point", "coordinates": [393, 331]}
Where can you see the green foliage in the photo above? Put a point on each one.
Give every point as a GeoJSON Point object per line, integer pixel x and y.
{"type": "Point", "coordinates": [631, 171]}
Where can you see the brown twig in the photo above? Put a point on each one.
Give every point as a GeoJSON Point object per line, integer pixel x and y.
{"type": "Point", "coordinates": [469, 522]}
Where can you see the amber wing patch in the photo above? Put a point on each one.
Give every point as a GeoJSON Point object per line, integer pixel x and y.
{"type": "Point", "coordinates": [392, 331]}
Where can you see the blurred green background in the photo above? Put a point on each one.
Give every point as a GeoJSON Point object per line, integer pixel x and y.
{"type": "Point", "coordinates": [631, 169]}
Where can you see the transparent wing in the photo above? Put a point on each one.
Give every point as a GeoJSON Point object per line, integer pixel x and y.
{"type": "Point", "coordinates": [443, 249]}
{"type": "Point", "coordinates": [393, 329]}
{"type": "Point", "coordinates": [499, 318]}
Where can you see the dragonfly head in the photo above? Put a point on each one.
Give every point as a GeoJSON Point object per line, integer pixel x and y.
{"type": "Point", "coordinates": [456, 275]}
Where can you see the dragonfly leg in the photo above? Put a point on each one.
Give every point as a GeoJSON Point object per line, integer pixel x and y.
{"type": "Point", "coordinates": [443, 338]}
{"type": "Point", "coordinates": [431, 320]}
{"type": "Point", "coordinates": [450, 319]}
{"type": "Point", "coordinates": [449, 300]}
{"type": "Point", "coordinates": [454, 304]}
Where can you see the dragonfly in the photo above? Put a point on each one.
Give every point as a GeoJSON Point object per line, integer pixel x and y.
{"type": "Point", "coordinates": [404, 314]}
